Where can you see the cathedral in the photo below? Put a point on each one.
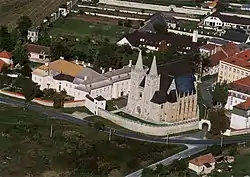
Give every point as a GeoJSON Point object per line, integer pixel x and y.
{"type": "Point", "coordinates": [163, 94]}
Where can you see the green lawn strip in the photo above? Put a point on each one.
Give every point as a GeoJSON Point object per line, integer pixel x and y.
{"type": "Point", "coordinates": [76, 109]}
{"type": "Point", "coordinates": [75, 149]}
{"type": "Point", "coordinates": [78, 28]}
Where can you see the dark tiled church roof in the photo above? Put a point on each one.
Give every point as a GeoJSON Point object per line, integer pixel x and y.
{"type": "Point", "coordinates": [183, 74]}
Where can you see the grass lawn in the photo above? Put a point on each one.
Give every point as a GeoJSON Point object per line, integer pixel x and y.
{"type": "Point", "coordinates": [188, 24]}
{"type": "Point", "coordinates": [26, 148]}
{"type": "Point", "coordinates": [72, 110]}
{"type": "Point", "coordinates": [114, 103]}
{"type": "Point", "coordinates": [81, 29]}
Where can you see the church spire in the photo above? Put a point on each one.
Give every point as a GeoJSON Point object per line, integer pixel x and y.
{"type": "Point", "coordinates": [139, 64]}
{"type": "Point", "coordinates": [153, 69]}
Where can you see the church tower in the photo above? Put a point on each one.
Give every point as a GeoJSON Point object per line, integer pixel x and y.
{"type": "Point", "coordinates": [152, 84]}
{"type": "Point", "coordinates": [138, 72]}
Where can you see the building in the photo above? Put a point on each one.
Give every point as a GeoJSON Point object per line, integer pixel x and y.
{"type": "Point", "coordinates": [33, 33]}
{"type": "Point", "coordinates": [218, 20]}
{"type": "Point", "coordinates": [238, 92]}
{"type": "Point", "coordinates": [236, 36]}
{"type": "Point", "coordinates": [235, 67]}
{"type": "Point", "coordinates": [208, 49]}
{"type": "Point", "coordinates": [160, 42]}
{"type": "Point", "coordinates": [38, 53]}
{"type": "Point", "coordinates": [204, 164]}
{"type": "Point", "coordinates": [240, 117]}
{"type": "Point", "coordinates": [161, 20]}
{"type": "Point", "coordinates": [220, 53]}
{"type": "Point", "coordinates": [79, 80]}
{"type": "Point", "coordinates": [6, 57]}
{"type": "Point", "coordinates": [165, 93]}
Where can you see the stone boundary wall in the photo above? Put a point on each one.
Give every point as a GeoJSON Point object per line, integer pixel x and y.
{"type": "Point", "coordinates": [160, 130]}
{"type": "Point", "coordinates": [237, 132]}
{"type": "Point", "coordinates": [113, 16]}
{"type": "Point", "coordinates": [67, 104]}
{"type": "Point", "coordinates": [185, 10]}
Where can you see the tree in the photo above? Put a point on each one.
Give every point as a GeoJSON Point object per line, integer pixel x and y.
{"type": "Point", "coordinates": [30, 90]}
{"type": "Point", "coordinates": [20, 54]}
{"type": "Point", "coordinates": [26, 70]}
{"type": "Point", "coordinates": [220, 93]}
{"type": "Point", "coordinates": [59, 50]}
{"type": "Point", "coordinates": [58, 100]}
{"type": "Point", "coordinates": [99, 125]}
{"type": "Point", "coordinates": [120, 23]}
{"type": "Point", "coordinates": [148, 172]}
{"type": "Point", "coordinates": [23, 25]}
{"type": "Point", "coordinates": [5, 39]}
{"type": "Point", "coordinates": [128, 23]}
{"type": "Point", "coordinates": [219, 121]}
{"type": "Point", "coordinates": [44, 39]}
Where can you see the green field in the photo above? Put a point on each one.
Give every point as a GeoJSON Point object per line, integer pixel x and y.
{"type": "Point", "coordinates": [26, 148]}
{"type": "Point", "coordinates": [82, 29]}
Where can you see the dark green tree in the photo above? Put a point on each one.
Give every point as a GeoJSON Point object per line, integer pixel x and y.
{"type": "Point", "coordinates": [59, 99]}
{"type": "Point", "coordinates": [26, 70]}
{"type": "Point", "coordinates": [220, 94]}
{"type": "Point", "coordinates": [58, 49]}
{"type": "Point", "coordinates": [30, 90]}
{"type": "Point", "coordinates": [5, 39]}
{"type": "Point", "coordinates": [20, 54]}
{"type": "Point", "coordinates": [148, 172]}
{"type": "Point", "coordinates": [128, 23]}
{"type": "Point", "coordinates": [44, 38]}
{"type": "Point", "coordinates": [23, 24]}
{"type": "Point", "coordinates": [219, 121]}
{"type": "Point", "coordinates": [120, 23]}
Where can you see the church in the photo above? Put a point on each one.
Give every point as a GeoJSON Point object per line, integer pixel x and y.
{"type": "Point", "coordinates": [163, 94]}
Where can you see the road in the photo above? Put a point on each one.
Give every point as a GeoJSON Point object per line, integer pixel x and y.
{"type": "Point", "coordinates": [174, 140]}
{"type": "Point", "coordinates": [183, 154]}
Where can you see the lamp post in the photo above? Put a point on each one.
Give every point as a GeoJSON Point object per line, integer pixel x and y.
{"type": "Point", "coordinates": [167, 141]}
{"type": "Point", "coordinates": [221, 139]}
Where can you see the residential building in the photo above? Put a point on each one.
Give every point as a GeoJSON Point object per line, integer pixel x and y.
{"type": "Point", "coordinates": [240, 117]}
{"type": "Point", "coordinates": [160, 20]}
{"type": "Point", "coordinates": [220, 53]}
{"type": "Point", "coordinates": [6, 57]}
{"type": "Point", "coordinates": [204, 164]}
{"type": "Point", "coordinates": [160, 42]}
{"type": "Point", "coordinates": [79, 80]}
{"type": "Point", "coordinates": [217, 41]}
{"type": "Point", "coordinates": [38, 53]}
{"type": "Point", "coordinates": [33, 34]}
{"type": "Point", "coordinates": [238, 92]}
{"type": "Point", "coordinates": [218, 20]}
{"type": "Point", "coordinates": [235, 67]}
{"type": "Point", "coordinates": [208, 49]}
{"type": "Point", "coordinates": [164, 93]}
{"type": "Point", "coordinates": [2, 65]}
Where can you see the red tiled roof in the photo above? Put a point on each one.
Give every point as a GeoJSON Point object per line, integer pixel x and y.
{"type": "Point", "coordinates": [5, 54]}
{"type": "Point", "coordinates": [201, 160]}
{"type": "Point", "coordinates": [241, 59]}
{"type": "Point", "coordinates": [244, 105]}
{"type": "Point", "coordinates": [242, 85]}
{"type": "Point", "coordinates": [209, 47]}
{"type": "Point", "coordinates": [227, 50]}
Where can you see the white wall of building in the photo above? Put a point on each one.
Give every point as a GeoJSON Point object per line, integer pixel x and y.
{"type": "Point", "coordinates": [235, 98]}
{"type": "Point", "coordinates": [239, 122]}
{"type": "Point", "coordinates": [197, 169]}
{"type": "Point", "coordinates": [94, 105]}
{"type": "Point", "coordinates": [213, 22]}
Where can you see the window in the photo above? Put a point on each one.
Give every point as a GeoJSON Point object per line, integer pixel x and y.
{"type": "Point", "coordinates": [140, 95]}
{"type": "Point", "coordinates": [234, 69]}
{"type": "Point", "coordinates": [162, 106]}
{"type": "Point", "coordinates": [229, 68]}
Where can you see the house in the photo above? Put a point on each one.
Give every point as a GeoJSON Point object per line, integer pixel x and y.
{"type": "Point", "coordinates": [157, 42]}
{"type": "Point", "coordinates": [240, 117]}
{"type": "Point", "coordinates": [229, 159]}
{"type": "Point", "coordinates": [204, 164]}
{"type": "Point", "coordinates": [245, 7]}
{"type": "Point", "coordinates": [236, 36]}
{"type": "Point", "coordinates": [218, 20]}
{"type": "Point", "coordinates": [2, 65]}
{"type": "Point", "coordinates": [238, 92]}
{"type": "Point", "coordinates": [6, 57]}
{"type": "Point", "coordinates": [235, 67]}
{"type": "Point", "coordinates": [164, 93]}
{"type": "Point", "coordinates": [38, 53]}
{"type": "Point", "coordinates": [78, 81]}
{"type": "Point", "coordinates": [220, 53]}
{"type": "Point", "coordinates": [161, 20]}
{"type": "Point", "coordinates": [33, 33]}
{"type": "Point", "coordinates": [207, 49]}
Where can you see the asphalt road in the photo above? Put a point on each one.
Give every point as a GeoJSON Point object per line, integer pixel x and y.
{"type": "Point", "coordinates": [174, 140]}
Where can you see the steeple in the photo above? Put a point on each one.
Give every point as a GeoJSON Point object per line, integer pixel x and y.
{"type": "Point", "coordinates": [153, 69]}
{"type": "Point", "coordinates": [139, 64]}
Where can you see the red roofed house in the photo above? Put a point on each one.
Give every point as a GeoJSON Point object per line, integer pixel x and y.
{"type": "Point", "coordinates": [203, 164]}
{"type": "Point", "coordinates": [240, 117]}
{"type": "Point", "coordinates": [2, 65]}
{"type": "Point", "coordinates": [38, 53]}
{"type": "Point", "coordinates": [220, 53]}
{"type": "Point", "coordinates": [238, 92]}
{"type": "Point", "coordinates": [6, 57]}
{"type": "Point", "coordinates": [208, 49]}
{"type": "Point", "coordinates": [235, 67]}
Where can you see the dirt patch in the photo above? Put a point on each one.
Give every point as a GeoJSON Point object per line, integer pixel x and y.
{"type": "Point", "coordinates": [95, 19]}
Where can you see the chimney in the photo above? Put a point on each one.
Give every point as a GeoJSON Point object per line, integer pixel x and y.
{"type": "Point", "coordinates": [110, 69]}
{"type": "Point", "coordinates": [83, 63]}
{"type": "Point", "coordinates": [195, 36]}
{"type": "Point", "coordinates": [130, 63]}
{"type": "Point", "coordinates": [46, 64]}
{"type": "Point", "coordinates": [103, 70]}
{"type": "Point", "coordinates": [88, 64]}
{"type": "Point", "coordinates": [85, 78]}
{"type": "Point", "coordinates": [77, 62]}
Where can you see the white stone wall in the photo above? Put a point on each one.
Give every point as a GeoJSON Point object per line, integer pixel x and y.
{"type": "Point", "coordinates": [94, 105]}
{"type": "Point", "coordinates": [239, 122]}
{"type": "Point", "coordinates": [105, 92]}
{"type": "Point", "coordinates": [121, 88]}
{"type": "Point", "coordinates": [147, 128]}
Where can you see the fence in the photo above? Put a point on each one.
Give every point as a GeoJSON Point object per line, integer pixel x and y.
{"type": "Point", "coordinates": [150, 129]}
{"type": "Point", "coordinates": [67, 104]}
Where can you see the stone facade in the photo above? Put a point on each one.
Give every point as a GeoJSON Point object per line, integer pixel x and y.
{"type": "Point", "coordinates": [155, 97]}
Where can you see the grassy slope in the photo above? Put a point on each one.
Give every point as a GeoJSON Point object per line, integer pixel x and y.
{"type": "Point", "coordinates": [25, 139]}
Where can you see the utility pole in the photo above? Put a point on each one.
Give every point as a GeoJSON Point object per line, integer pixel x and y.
{"type": "Point", "coordinates": [221, 139]}
{"type": "Point", "coordinates": [51, 130]}
{"type": "Point", "coordinates": [167, 142]}
{"type": "Point", "coordinates": [110, 134]}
